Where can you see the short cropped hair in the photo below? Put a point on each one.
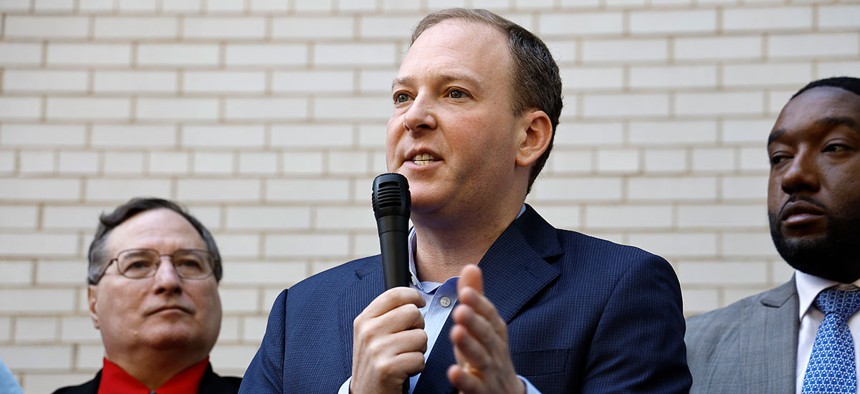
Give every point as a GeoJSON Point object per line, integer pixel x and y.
{"type": "Point", "coordinates": [98, 258]}
{"type": "Point", "coordinates": [535, 80]}
{"type": "Point", "coordinates": [850, 84]}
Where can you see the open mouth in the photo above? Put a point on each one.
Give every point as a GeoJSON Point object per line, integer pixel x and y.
{"type": "Point", "coordinates": [423, 159]}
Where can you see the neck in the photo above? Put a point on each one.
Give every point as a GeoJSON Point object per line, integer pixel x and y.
{"type": "Point", "coordinates": [444, 247]}
{"type": "Point", "coordinates": [155, 367]}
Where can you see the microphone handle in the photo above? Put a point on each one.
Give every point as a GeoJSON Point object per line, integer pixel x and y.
{"type": "Point", "coordinates": [395, 251]}
{"type": "Point", "coordinates": [395, 262]}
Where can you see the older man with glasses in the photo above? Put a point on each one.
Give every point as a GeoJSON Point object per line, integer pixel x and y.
{"type": "Point", "coordinates": [153, 294]}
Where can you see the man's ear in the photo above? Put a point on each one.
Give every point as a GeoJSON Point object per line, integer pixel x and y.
{"type": "Point", "coordinates": [534, 137]}
{"type": "Point", "coordinates": [92, 295]}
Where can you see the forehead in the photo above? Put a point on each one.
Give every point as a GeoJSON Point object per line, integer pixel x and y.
{"type": "Point", "coordinates": [160, 229]}
{"type": "Point", "coordinates": [819, 106]}
{"type": "Point", "coordinates": [460, 47]}
{"type": "Point", "coordinates": [815, 112]}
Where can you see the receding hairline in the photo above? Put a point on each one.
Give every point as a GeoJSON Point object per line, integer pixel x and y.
{"type": "Point", "coordinates": [476, 16]}
{"type": "Point", "coordinates": [110, 236]}
{"type": "Point", "coordinates": [450, 76]}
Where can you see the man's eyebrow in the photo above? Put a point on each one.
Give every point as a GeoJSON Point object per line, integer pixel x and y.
{"type": "Point", "coordinates": [401, 81]}
{"type": "Point", "coordinates": [849, 122]}
{"type": "Point", "coordinates": [774, 135]}
{"type": "Point", "coordinates": [449, 77]}
{"type": "Point", "coordinates": [830, 121]}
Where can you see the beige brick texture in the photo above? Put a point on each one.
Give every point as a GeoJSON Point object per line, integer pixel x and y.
{"type": "Point", "coordinates": [267, 119]}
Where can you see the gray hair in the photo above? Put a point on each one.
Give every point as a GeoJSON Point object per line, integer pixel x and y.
{"type": "Point", "coordinates": [98, 258]}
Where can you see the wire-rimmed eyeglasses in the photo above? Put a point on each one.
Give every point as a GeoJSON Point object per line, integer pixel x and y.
{"type": "Point", "coordinates": [143, 263]}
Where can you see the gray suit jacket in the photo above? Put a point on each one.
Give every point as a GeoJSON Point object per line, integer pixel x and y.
{"type": "Point", "coordinates": [747, 347]}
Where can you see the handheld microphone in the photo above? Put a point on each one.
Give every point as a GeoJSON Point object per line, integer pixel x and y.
{"type": "Point", "coordinates": [391, 203]}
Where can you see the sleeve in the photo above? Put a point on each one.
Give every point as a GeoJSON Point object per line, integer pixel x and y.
{"type": "Point", "coordinates": [639, 346]}
{"type": "Point", "coordinates": [8, 384]}
{"type": "Point", "coordinates": [266, 371]}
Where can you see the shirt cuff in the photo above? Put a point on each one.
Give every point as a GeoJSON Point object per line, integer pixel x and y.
{"type": "Point", "coordinates": [344, 388]}
{"type": "Point", "coordinates": [529, 388]}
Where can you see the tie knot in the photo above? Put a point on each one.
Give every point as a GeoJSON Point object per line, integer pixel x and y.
{"type": "Point", "coordinates": [840, 302]}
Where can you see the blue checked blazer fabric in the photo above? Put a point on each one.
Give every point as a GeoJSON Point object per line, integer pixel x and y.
{"type": "Point", "coordinates": [583, 314]}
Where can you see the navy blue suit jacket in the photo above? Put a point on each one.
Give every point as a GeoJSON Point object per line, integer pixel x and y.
{"type": "Point", "coordinates": [583, 315]}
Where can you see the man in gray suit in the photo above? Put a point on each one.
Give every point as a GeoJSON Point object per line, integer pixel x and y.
{"type": "Point", "coordinates": [765, 343]}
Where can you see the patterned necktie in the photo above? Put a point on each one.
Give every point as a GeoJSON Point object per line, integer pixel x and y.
{"type": "Point", "coordinates": [831, 366]}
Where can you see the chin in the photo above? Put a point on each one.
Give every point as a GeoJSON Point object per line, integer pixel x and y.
{"type": "Point", "coordinates": [176, 337]}
{"type": "Point", "coordinates": [833, 255]}
{"type": "Point", "coordinates": [168, 342]}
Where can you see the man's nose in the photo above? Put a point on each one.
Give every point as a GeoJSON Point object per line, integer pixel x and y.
{"type": "Point", "coordinates": [802, 173]}
{"type": "Point", "coordinates": [166, 277]}
{"type": "Point", "coordinates": [420, 115]}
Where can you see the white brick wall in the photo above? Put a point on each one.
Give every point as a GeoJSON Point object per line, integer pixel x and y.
{"type": "Point", "coordinates": [88, 54]}
{"type": "Point", "coordinates": [626, 105]}
{"type": "Point", "coordinates": [195, 137]}
{"type": "Point", "coordinates": [223, 28]}
{"type": "Point", "coordinates": [625, 51]}
{"type": "Point", "coordinates": [767, 19]}
{"type": "Point", "coordinates": [44, 81]}
{"type": "Point", "coordinates": [800, 46]}
{"type": "Point", "coordinates": [63, 27]}
{"type": "Point", "coordinates": [135, 28]}
{"type": "Point", "coordinates": [268, 109]}
{"type": "Point", "coordinates": [838, 16]}
{"type": "Point", "coordinates": [313, 28]}
{"type": "Point", "coordinates": [267, 118]}
{"type": "Point", "coordinates": [567, 24]}
{"type": "Point", "coordinates": [20, 108]}
{"type": "Point", "coordinates": [177, 109]}
{"type": "Point", "coordinates": [180, 55]}
{"type": "Point", "coordinates": [12, 53]}
{"type": "Point", "coordinates": [17, 273]}
{"type": "Point", "coordinates": [80, 108]}
{"type": "Point", "coordinates": [266, 55]}
{"type": "Point", "coordinates": [133, 136]}
{"type": "Point", "coordinates": [699, 49]}
{"type": "Point", "coordinates": [670, 22]}
{"type": "Point", "coordinates": [137, 82]}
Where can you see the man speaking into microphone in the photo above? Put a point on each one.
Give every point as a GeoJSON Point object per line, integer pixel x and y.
{"type": "Point", "coordinates": [498, 300]}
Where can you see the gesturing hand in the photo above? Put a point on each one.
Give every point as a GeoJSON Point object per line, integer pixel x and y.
{"type": "Point", "coordinates": [388, 343]}
{"type": "Point", "coordinates": [480, 339]}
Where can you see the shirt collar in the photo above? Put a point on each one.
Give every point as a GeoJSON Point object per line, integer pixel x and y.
{"type": "Point", "coordinates": [117, 380]}
{"type": "Point", "coordinates": [808, 287]}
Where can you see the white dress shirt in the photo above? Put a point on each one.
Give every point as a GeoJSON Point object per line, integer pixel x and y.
{"type": "Point", "coordinates": [808, 287]}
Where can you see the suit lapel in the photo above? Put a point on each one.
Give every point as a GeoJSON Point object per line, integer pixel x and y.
{"type": "Point", "coordinates": [771, 331]}
{"type": "Point", "coordinates": [515, 269]}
